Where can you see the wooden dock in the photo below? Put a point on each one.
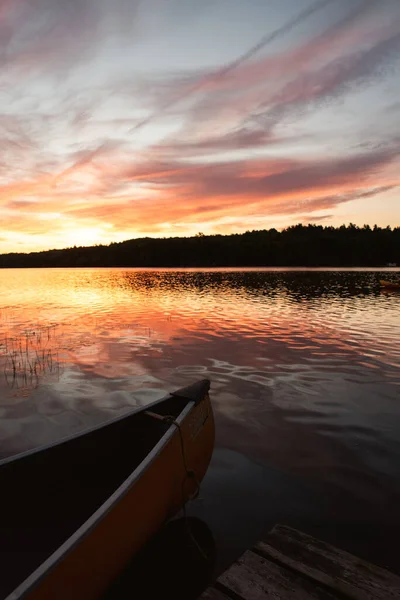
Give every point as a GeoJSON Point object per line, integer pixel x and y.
{"type": "Point", "coordinates": [290, 565]}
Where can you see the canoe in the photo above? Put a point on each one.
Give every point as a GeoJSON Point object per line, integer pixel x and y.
{"type": "Point", "coordinates": [73, 513]}
{"type": "Point", "coordinates": [389, 284]}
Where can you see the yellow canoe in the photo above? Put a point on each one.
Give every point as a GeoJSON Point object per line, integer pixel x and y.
{"type": "Point", "coordinates": [73, 513]}
{"type": "Point", "coordinates": [389, 284]}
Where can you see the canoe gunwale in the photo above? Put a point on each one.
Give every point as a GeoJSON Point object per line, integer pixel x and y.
{"type": "Point", "coordinates": [84, 530]}
{"type": "Point", "coordinates": [205, 384]}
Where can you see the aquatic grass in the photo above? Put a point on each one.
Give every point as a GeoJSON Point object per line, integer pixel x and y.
{"type": "Point", "coordinates": [30, 355]}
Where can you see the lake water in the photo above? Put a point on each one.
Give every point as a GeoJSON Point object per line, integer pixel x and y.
{"type": "Point", "coordinates": [305, 372]}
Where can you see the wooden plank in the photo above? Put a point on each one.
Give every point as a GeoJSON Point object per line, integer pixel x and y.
{"type": "Point", "coordinates": [341, 571]}
{"type": "Point", "coordinates": [213, 594]}
{"type": "Point", "coordinates": [253, 577]}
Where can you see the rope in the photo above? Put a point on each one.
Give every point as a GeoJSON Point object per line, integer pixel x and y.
{"type": "Point", "coordinates": [190, 474]}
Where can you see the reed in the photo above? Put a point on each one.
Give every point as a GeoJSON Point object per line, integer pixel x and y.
{"type": "Point", "coordinates": [30, 355]}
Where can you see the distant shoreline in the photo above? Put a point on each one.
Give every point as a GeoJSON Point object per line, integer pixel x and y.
{"type": "Point", "coordinates": [230, 268]}
{"type": "Point", "coordinates": [311, 246]}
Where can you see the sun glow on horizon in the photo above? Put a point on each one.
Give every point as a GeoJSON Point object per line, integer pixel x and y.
{"type": "Point", "coordinates": [85, 236]}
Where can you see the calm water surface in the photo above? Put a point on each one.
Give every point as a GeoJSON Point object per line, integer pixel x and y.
{"type": "Point", "coordinates": [305, 386]}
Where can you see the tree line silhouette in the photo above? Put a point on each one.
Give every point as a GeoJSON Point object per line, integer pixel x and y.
{"type": "Point", "coordinates": [299, 245]}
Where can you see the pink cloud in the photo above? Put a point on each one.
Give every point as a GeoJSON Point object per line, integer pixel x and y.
{"type": "Point", "coordinates": [207, 193]}
{"type": "Point", "coordinates": [262, 177]}
{"type": "Point", "coordinates": [352, 51]}
{"type": "Point", "coordinates": [52, 35]}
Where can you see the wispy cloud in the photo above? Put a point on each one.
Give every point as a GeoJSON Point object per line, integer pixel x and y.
{"type": "Point", "coordinates": [359, 50]}
{"type": "Point", "coordinates": [200, 193]}
{"type": "Point", "coordinates": [294, 130]}
{"type": "Point", "coordinates": [53, 34]}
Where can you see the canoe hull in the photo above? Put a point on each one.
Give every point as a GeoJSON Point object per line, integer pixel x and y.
{"type": "Point", "coordinates": [89, 564]}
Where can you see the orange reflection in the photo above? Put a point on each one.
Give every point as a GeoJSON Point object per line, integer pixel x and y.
{"type": "Point", "coordinates": [87, 344]}
{"type": "Point", "coordinates": [109, 322]}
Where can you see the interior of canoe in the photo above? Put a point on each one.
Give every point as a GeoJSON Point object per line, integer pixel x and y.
{"type": "Point", "coordinates": [47, 495]}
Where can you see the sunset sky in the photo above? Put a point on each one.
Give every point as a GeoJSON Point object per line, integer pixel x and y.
{"type": "Point", "coordinates": [132, 118]}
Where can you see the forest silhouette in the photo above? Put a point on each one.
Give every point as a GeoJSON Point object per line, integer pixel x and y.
{"type": "Point", "coordinates": [299, 245]}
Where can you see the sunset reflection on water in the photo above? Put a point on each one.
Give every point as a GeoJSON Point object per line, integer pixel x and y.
{"type": "Point", "coordinates": [304, 366]}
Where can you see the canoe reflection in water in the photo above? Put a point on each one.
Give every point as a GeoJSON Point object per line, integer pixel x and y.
{"type": "Point", "coordinates": [389, 285]}
{"type": "Point", "coordinates": [72, 514]}
{"type": "Point", "coordinates": [178, 563]}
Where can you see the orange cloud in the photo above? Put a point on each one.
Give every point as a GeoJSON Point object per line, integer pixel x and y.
{"type": "Point", "coordinates": [158, 196]}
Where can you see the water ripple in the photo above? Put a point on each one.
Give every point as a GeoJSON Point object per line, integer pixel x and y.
{"type": "Point", "coordinates": [304, 365]}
